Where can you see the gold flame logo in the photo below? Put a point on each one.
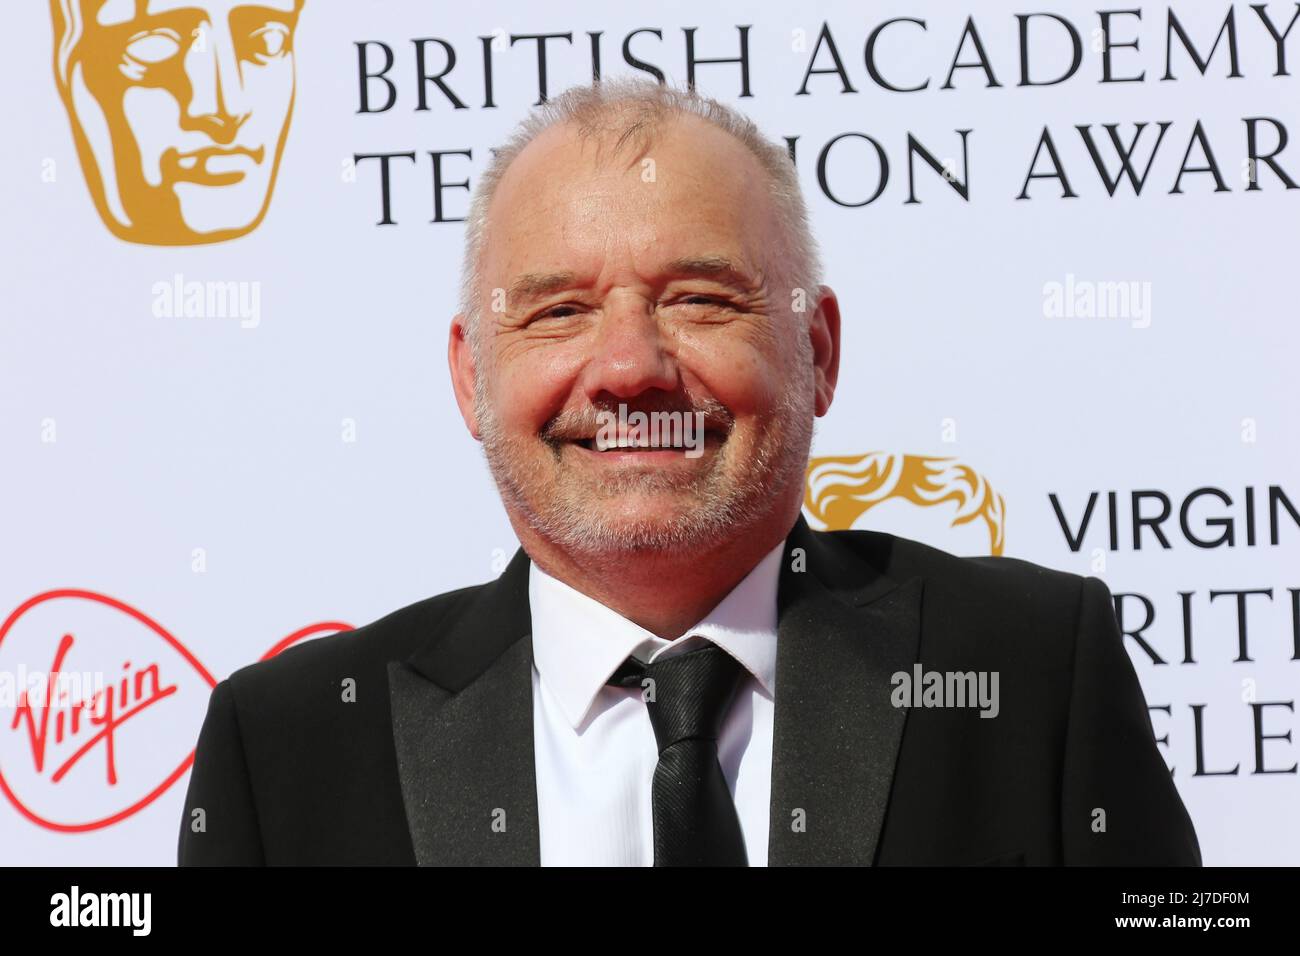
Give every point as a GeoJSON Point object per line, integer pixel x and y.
{"type": "Point", "coordinates": [841, 489]}
{"type": "Point", "coordinates": [179, 110]}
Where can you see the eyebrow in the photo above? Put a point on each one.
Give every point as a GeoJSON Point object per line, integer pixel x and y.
{"type": "Point", "coordinates": [719, 268]}
{"type": "Point", "coordinates": [536, 285]}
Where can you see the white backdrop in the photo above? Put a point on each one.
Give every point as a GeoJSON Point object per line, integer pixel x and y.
{"type": "Point", "coordinates": [196, 489]}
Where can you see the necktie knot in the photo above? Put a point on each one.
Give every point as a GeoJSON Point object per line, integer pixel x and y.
{"type": "Point", "coordinates": [687, 695]}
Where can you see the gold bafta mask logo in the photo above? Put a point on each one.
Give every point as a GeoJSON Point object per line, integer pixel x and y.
{"type": "Point", "coordinates": [839, 490]}
{"type": "Point", "coordinates": [179, 109]}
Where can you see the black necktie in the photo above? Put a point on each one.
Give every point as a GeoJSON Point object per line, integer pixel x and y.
{"type": "Point", "coordinates": [695, 821]}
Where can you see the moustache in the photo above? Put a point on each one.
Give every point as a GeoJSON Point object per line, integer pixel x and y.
{"type": "Point", "coordinates": [581, 424]}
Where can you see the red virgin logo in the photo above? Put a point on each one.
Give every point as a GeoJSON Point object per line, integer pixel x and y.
{"type": "Point", "coordinates": [100, 707]}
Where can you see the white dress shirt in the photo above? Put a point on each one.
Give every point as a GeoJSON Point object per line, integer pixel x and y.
{"type": "Point", "coordinates": [594, 746]}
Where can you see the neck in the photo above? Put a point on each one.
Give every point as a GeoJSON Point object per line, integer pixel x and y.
{"type": "Point", "coordinates": [665, 592]}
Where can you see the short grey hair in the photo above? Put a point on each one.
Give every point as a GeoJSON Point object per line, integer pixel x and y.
{"type": "Point", "coordinates": [641, 106]}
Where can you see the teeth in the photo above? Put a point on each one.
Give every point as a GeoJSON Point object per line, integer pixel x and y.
{"type": "Point", "coordinates": [600, 443]}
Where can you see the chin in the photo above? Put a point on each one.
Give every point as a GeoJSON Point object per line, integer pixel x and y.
{"type": "Point", "coordinates": [637, 532]}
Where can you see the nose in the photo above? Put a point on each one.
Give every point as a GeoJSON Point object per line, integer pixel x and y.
{"type": "Point", "coordinates": [632, 354]}
{"type": "Point", "coordinates": [218, 104]}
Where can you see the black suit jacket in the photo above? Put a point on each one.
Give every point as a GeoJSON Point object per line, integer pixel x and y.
{"type": "Point", "coordinates": [438, 743]}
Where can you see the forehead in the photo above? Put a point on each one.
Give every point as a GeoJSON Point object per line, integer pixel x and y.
{"type": "Point", "coordinates": [571, 203]}
{"type": "Point", "coordinates": [115, 12]}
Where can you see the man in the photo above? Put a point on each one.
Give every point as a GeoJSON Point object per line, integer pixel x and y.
{"type": "Point", "coordinates": [179, 110]}
{"type": "Point", "coordinates": [674, 669]}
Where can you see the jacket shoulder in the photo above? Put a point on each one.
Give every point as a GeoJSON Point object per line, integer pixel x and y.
{"type": "Point", "coordinates": [902, 558]}
{"type": "Point", "coordinates": [990, 600]}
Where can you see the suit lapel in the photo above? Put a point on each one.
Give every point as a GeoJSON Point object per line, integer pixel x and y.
{"type": "Point", "coordinates": [844, 629]}
{"type": "Point", "coordinates": [463, 729]}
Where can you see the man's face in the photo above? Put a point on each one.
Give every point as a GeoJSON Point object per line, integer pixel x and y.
{"type": "Point", "coordinates": [655, 280]}
{"type": "Point", "coordinates": [180, 110]}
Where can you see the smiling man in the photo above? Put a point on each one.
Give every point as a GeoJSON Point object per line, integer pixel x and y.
{"type": "Point", "coordinates": [674, 669]}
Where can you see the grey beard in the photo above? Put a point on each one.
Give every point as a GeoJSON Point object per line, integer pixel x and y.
{"type": "Point", "coordinates": [719, 511]}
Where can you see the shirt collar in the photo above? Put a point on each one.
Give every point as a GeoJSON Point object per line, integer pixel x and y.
{"type": "Point", "coordinates": [579, 642]}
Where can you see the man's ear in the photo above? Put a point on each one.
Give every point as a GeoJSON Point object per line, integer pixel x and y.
{"type": "Point", "coordinates": [824, 332]}
{"type": "Point", "coordinates": [460, 358]}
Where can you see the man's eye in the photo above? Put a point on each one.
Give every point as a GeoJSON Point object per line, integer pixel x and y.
{"type": "Point", "coordinates": [155, 46]}
{"type": "Point", "coordinates": [557, 312]}
{"type": "Point", "coordinates": [702, 299]}
{"type": "Point", "coordinates": [269, 42]}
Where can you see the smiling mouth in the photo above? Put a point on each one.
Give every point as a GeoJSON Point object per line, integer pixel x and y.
{"type": "Point", "coordinates": [661, 438]}
{"type": "Point", "coordinates": [633, 449]}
